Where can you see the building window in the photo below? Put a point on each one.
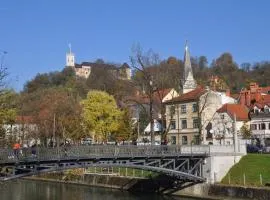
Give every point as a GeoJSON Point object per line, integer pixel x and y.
{"type": "Point", "coordinates": [222, 116]}
{"type": "Point", "coordinates": [196, 123]}
{"type": "Point", "coordinates": [183, 109]}
{"type": "Point", "coordinates": [172, 110]}
{"type": "Point", "coordinates": [196, 139]}
{"type": "Point", "coordinates": [184, 123]}
{"type": "Point", "coordinates": [263, 126]}
{"type": "Point", "coordinates": [253, 126]}
{"type": "Point", "coordinates": [269, 126]}
{"type": "Point", "coordinates": [173, 124]}
{"type": "Point", "coordinates": [194, 107]}
{"type": "Point", "coordinates": [184, 140]}
{"type": "Point", "coordinates": [173, 139]}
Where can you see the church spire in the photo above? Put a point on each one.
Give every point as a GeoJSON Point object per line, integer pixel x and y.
{"type": "Point", "coordinates": [188, 82]}
{"type": "Point", "coordinates": [187, 62]}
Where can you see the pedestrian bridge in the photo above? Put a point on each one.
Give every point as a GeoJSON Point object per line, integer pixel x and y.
{"type": "Point", "coordinates": [184, 163]}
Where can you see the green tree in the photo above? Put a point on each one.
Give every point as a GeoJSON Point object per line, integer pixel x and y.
{"type": "Point", "coordinates": [124, 131]}
{"type": "Point", "coordinates": [8, 112]}
{"type": "Point", "coordinates": [245, 131]}
{"type": "Point", "coordinates": [100, 115]}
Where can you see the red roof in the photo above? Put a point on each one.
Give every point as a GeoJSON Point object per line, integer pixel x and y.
{"type": "Point", "coordinates": [265, 89]}
{"type": "Point", "coordinates": [144, 99]}
{"type": "Point", "coordinates": [189, 96]}
{"type": "Point", "coordinates": [265, 98]}
{"type": "Point", "coordinates": [24, 119]}
{"type": "Point", "coordinates": [239, 110]}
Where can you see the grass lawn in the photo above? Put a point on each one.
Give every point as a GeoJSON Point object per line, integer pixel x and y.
{"type": "Point", "coordinates": [250, 166]}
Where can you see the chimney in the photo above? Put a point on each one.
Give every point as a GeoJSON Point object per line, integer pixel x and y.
{"type": "Point", "coordinates": [228, 92]}
{"type": "Point", "coordinates": [248, 99]}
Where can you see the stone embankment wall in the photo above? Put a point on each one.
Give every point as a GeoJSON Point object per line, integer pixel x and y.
{"type": "Point", "coordinates": [204, 190]}
{"type": "Point", "coordinates": [218, 191]}
{"type": "Point", "coordinates": [104, 180]}
{"type": "Point", "coordinates": [239, 192]}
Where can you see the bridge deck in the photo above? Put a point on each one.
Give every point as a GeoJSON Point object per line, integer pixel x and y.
{"type": "Point", "coordinates": [181, 162]}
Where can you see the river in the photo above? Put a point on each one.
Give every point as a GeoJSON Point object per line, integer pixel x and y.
{"type": "Point", "coordinates": [39, 190]}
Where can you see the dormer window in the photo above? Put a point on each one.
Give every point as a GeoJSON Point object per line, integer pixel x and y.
{"type": "Point", "coordinates": [256, 111]}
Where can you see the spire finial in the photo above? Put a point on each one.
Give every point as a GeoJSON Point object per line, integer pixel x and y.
{"type": "Point", "coordinates": [186, 45]}
{"type": "Point", "coordinates": [69, 46]}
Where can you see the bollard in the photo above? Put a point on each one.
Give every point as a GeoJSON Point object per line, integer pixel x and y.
{"type": "Point", "coordinates": [244, 178]}
{"type": "Point", "coordinates": [229, 178]}
{"type": "Point", "coordinates": [126, 171]}
{"type": "Point", "coordinates": [261, 181]}
{"type": "Point", "coordinates": [119, 171]}
{"type": "Point", "coordinates": [133, 172]}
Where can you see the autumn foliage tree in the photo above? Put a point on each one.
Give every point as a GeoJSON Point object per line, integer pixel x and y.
{"type": "Point", "coordinates": [101, 115]}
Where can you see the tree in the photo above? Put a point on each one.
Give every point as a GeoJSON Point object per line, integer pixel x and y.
{"type": "Point", "coordinates": [8, 112]}
{"type": "Point", "coordinates": [124, 131]}
{"type": "Point", "coordinates": [100, 114]}
{"type": "Point", "coordinates": [245, 131]}
{"type": "Point", "coordinates": [142, 62]}
{"type": "Point", "coordinates": [56, 112]}
{"type": "Point", "coordinates": [203, 62]}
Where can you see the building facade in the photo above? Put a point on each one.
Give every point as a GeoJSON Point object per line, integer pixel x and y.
{"type": "Point", "coordinates": [221, 128]}
{"type": "Point", "coordinates": [188, 115]}
{"type": "Point", "coordinates": [260, 123]}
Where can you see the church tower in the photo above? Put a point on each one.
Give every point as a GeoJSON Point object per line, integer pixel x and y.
{"type": "Point", "coordinates": [70, 58]}
{"type": "Point", "coordinates": [188, 82]}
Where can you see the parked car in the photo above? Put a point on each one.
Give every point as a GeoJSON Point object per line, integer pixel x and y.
{"type": "Point", "coordinates": [86, 141]}
{"type": "Point", "coordinates": [254, 149]}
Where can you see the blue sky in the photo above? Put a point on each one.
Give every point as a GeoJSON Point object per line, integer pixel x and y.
{"type": "Point", "coordinates": [36, 33]}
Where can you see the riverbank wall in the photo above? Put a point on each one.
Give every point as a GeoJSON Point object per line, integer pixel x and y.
{"type": "Point", "coordinates": [159, 185]}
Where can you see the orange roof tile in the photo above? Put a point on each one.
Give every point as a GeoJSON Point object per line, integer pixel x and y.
{"type": "Point", "coordinates": [265, 89]}
{"type": "Point", "coordinates": [24, 119]}
{"type": "Point", "coordinates": [239, 110]}
{"type": "Point", "coordinates": [189, 96]}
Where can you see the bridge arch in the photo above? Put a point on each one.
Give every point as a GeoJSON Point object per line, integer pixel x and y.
{"type": "Point", "coordinates": [172, 161]}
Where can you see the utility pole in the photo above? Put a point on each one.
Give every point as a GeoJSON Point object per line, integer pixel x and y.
{"type": "Point", "coordinates": [151, 91]}
{"type": "Point", "coordinates": [54, 129]}
{"type": "Point", "coordinates": [234, 137]}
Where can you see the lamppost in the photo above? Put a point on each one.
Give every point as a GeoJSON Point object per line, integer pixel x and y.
{"type": "Point", "coordinates": [151, 91]}
{"type": "Point", "coordinates": [178, 124]}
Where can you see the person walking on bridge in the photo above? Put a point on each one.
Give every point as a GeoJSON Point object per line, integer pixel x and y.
{"type": "Point", "coordinates": [16, 149]}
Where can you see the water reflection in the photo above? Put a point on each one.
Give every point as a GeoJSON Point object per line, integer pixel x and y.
{"type": "Point", "coordinates": [39, 190]}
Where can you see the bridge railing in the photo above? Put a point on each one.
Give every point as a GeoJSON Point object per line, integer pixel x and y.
{"type": "Point", "coordinates": [97, 151]}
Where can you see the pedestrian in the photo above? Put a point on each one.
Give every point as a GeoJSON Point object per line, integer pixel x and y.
{"type": "Point", "coordinates": [16, 149]}
{"type": "Point", "coordinates": [34, 150]}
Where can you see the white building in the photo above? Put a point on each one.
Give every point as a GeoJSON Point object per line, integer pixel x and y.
{"type": "Point", "coordinates": [24, 130]}
{"type": "Point", "coordinates": [260, 123]}
{"type": "Point", "coordinates": [221, 128]}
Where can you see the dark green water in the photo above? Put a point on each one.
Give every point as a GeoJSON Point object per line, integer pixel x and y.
{"type": "Point", "coordinates": [39, 190]}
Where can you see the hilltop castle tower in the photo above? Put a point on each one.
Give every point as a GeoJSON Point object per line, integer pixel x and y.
{"type": "Point", "coordinates": [188, 82]}
{"type": "Point", "coordinates": [70, 58]}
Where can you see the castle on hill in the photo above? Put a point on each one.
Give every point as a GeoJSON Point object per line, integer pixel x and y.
{"type": "Point", "coordinates": [84, 69]}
